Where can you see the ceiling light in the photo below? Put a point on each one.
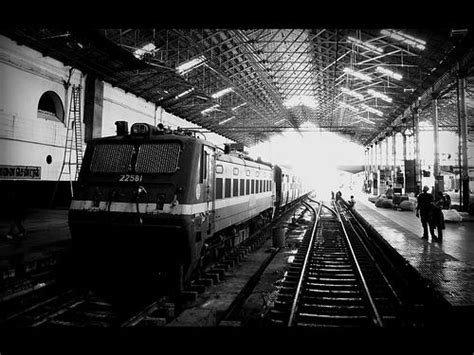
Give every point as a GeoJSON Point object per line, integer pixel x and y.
{"type": "Point", "coordinates": [350, 107]}
{"type": "Point", "coordinates": [365, 45]}
{"type": "Point", "coordinates": [352, 93]}
{"type": "Point", "coordinates": [227, 120]}
{"type": "Point", "coordinates": [373, 110]}
{"type": "Point", "coordinates": [147, 48]}
{"type": "Point", "coordinates": [210, 109]}
{"type": "Point", "coordinates": [222, 92]}
{"type": "Point", "coordinates": [280, 121]}
{"type": "Point", "coordinates": [239, 106]}
{"type": "Point", "coordinates": [379, 95]}
{"type": "Point", "coordinates": [189, 65]}
{"type": "Point", "coordinates": [184, 93]}
{"type": "Point", "coordinates": [403, 37]}
{"type": "Point", "coordinates": [389, 73]}
{"type": "Point", "coordinates": [357, 74]}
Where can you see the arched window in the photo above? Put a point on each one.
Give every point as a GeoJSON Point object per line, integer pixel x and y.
{"type": "Point", "coordinates": [50, 107]}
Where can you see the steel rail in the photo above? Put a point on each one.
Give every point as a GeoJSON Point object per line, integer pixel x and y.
{"type": "Point", "coordinates": [305, 263]}
{"type": "Point", "coordinates": [377, 319]}
{"type": "Point", "coordinates": [372, 257]}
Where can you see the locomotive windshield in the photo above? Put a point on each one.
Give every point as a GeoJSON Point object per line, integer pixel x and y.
{"type": "Point", "coordinates": [151, 158]}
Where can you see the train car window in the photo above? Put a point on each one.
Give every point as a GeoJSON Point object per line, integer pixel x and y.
{"type": "Point", "coordinates": [261, 185]}
{"type": "Point", "coordinates": [112, 158]}
{"type": "Point", "coordinates": [253, 187]}
{"type": "Point", "coordinates": [219, 169]}
{"type": "Point", "coordinates": [157, 158]}
{"type": "Point", "coordinates": [257, 186]}
{"type": "Point", "coordinates": [235, 187]}
{"type": "Point", "coordinates": [228, 185]}
{"type": "Point", "coordinates": [264, 184]}
{"type": "Point", "coordinates": [236, 171]}
{"type": "Point", "coordinates": [242, 187]}
{"type": "Point", "coordinates": [247, 187]}
{"type": "Point", "coordinates": [218, 188]}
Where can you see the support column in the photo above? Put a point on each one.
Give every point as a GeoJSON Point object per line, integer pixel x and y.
{"type": "Point", "coordinates": [394, 160]}
{"type": "Point", "coordinates": [416, 129]}
{"type": "Point", "coordinates": [381, 175]}
{"type": "Point", "coordinates": [376, 169]}
{"type": "Point", "coordinates": [463, 132]}
{"type": "Point", "coordinates": [387, 160]}
{"type": "Point", "coordinates": [404, 162]}
{"type": "Point", "coordinates": [438, 185]}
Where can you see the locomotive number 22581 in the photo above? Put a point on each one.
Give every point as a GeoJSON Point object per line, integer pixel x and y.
{"type": "Point", "coordinates": [131, 178]}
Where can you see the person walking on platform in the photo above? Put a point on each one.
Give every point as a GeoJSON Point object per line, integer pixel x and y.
{"type": "Point", "coordinates": [424, 210]}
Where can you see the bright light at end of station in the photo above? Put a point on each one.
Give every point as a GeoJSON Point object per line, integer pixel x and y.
{"type": "Point", "coordinates": [301, 100]}
{"type": "Point", "coordinates": [312, 154]}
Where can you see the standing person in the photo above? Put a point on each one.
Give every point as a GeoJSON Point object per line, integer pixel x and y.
{"type": "Point", "coordinates": [338, 195]}
{"type": "Point", "coordinates": [16, 212]}
{"type": "Point", "coordinates": [425, 211]}
{"type": "Point", "coordinates": [438, 217]}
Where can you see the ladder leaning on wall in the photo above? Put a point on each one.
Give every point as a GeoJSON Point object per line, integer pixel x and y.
{"type": "Point", "coordinates": [73, 141]}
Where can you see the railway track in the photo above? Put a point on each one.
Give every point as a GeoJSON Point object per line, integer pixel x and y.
{"type": "Point", "coordinates": [335, 281]}
{"type": "Point", "coordinates": [54, 305]}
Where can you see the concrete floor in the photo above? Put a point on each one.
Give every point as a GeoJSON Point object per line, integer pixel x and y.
{"type": "Point", "coordinates": [458, 238]}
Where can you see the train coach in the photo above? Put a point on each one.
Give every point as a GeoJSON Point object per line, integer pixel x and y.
{"type": "Point", "coordinates": [167, 200]}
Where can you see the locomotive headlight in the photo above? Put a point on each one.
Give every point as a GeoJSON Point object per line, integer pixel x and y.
{"type": "Point", "coordinates": [139, 129]}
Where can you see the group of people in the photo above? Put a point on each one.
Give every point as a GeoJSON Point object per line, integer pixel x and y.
{"type": "Point", "coordinates": [429, 210]}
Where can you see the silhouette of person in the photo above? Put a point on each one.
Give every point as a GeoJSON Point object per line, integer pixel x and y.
{"type": "Point", "coordinates": [424, 210]}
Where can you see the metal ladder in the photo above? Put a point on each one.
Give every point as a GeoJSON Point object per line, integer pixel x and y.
{"type": "Point", "coordinates": [74, 128]}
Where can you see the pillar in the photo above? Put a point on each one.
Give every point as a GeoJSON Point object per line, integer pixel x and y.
{"type": "Point", "coordinates": [463, 132]}
{"type": "Point", "coordinates": [404, 162]}
{"type": "Point", "coordinates": [438, 184]}
{"type": "Point", "coordinates": [93, 104]}
{"type": "Point", "coordinates": [416, 129]}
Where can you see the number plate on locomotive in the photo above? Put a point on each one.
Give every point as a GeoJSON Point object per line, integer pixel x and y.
{"type": "Point", "coordinates": [131, 178]}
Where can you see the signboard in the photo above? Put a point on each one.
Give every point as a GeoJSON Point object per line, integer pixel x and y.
{"type": "Point", "coordinates": [11, 172]}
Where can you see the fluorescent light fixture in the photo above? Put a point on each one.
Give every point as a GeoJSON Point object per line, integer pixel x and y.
{"type": "Point", "coordinates": [184, 93]}
{"type": "Point", "coordinates": [365, 45]}
{"type": "Point", "coordinates": [350, 107]}
{"type": "Point", "coordinates": [147, 48]}
{"type": "Point", "coordinates": [221, 93]}
{"type": "Point", "coordinates": [389, 73]}
{"type": "Point", "coordinates": [189, 65]}
{"type": "Point", "coordinates": [301, 100]}
{"type": "Point", "coordinates": [280, 121]}
{"type": "Point", "coordinates": [357, 74]}
{"type": "Point", "coordinates": [352, 93]}
{"type": "Point", "coordinates": [379, 95]}
{"type": "Point", "coordinates": [227, 120]}
{"type": "Point", "coordinates": [373, 110]}
{"type": "Point", "coordinates": [239, 106]}
{"type": "Point", "coordinates": [210, 109]}
{"type": "Point", "coordinates": [403, 37]}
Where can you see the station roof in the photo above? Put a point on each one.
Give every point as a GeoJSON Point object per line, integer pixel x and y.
{"type": "Point", "coordinates": [249, 84]}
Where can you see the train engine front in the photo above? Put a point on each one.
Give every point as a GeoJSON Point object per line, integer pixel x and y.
{"type": "Point", "coordinates": [139, 202]}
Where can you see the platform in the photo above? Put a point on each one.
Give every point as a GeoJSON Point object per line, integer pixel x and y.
{"type": "Point", "coordinates": [447, 265]}
{"type": "Point", "coordinates": [47, 235]}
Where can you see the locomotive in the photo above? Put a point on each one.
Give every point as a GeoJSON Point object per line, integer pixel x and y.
{"type": "Point", "coordinates": [168, 200]}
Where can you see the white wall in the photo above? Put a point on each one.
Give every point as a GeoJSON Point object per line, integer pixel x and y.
{"type": "Point", "coordinates": [121, 106]}
{"type": "Point", "coordinates": [26, 139]}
